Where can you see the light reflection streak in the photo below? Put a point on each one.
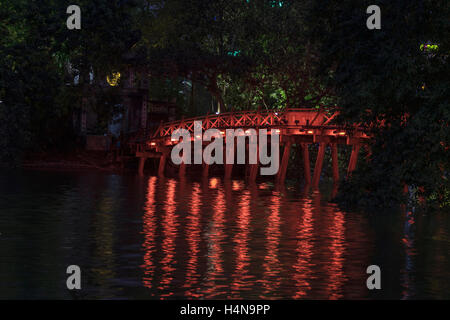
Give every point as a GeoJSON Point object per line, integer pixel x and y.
{"type": "Point", "coordinates": [193, 237]}
{"type": "Point", "coordinates": [410, 251]}
{"type": "Point", "coordinates": [272, 278]}
{"type": "Point", "coordinates": [337, 248]}
{"type": "Point", "coordinates": [240, 276]}
{"type": "Point", "coordinates": [103, 231]}
{"type": "Point", "coordinates": [304, 250]}
{"type": "Point", "coordinates": [149, 230]}
{"type": "Point", "coordinates": [169, 226]}
{"type": "Point", "coordinates": [216, 238]}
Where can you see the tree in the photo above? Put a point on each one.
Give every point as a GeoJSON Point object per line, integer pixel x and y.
{"type": "Point", "coordinates": [36, 49]}
{"type": "Point", "coordinates": [385, 77]}
{"type": "Point", "coordinates": [247, 54]}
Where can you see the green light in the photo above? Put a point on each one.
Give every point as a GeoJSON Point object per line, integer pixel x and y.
{"type": "Point", "coordinates": [429, 47]}
{"type": "Point", "coordinates": [274, 4]}
{"type": "Point", "coordinates": [234, 53]}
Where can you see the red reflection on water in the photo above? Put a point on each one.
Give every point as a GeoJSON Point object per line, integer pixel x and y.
{"type": "Point", "coordinates": [337, 248]}
{"type": "Point", "coordinates": [272, 278]}
{"type": "Point", "coordinates": [169, 231]}
{"type": "Point", "coordinates": [237, 185]}
{"type": "Point", "coordinates": [193, 237]}
{"type": "Point", "coordinates": [241, 238]}
{"type": "Point", "coordinates": [263, 186]}
{"type": "Point", "coordinates": [149, 230]}
{"type": "Point", "coordinates": [304, 249]}
{"type": "Point", "coordinates": [407, 281]}
{"type": "Point", "coordinates": [215, 238]}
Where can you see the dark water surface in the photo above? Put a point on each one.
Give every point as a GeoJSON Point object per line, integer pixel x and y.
{"type": "Point", "coordinates": [140, 238]}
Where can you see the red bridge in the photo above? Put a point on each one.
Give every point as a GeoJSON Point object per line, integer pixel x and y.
{"type": "Point", "coordinates": [295, 126]}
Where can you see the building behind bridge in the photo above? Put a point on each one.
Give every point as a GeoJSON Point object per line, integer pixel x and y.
{"type": "Point", "coordinates": [133, 110]}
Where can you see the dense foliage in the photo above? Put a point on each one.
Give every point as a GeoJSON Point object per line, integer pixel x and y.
{"type": "Point", "coordinates": [39, 59]}
{"type": "Point", "coordinates": [247, 54]}
{"type": "Point", "coordinates": [398, 79]}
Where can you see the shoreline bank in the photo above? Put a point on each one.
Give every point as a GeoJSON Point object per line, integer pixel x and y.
{"type": "Point", "coordinates": [83, 160]}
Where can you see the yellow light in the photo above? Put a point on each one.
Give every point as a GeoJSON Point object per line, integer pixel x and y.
{"type": "Point", "coordinates": [113, 80]}
{"type": "Point", "coordinates": [153, 143]}
{"type": "Point", "coordinates": [236, 185]}
{"type": "Point", "coordinates": [342, 133]}
{"type": "Point", "coordinates": [213, 183]}
{"type": "Point", "coordinates": [310, 131]}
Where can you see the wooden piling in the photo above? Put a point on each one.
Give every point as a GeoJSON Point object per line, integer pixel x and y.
{"type": "Point", "coordinates": [281, 176]}
{"type": "Point", "coordinates": [353, 159]}
{"type": "Point", "coordinates": [228, 170]}
{"type": "Point", "coordinates": [141, 165]}
{"type": "Point", "coordinates": [306, 164]}
{"type": "Point", "coordinates": [253, 172]}
{"type": "Point", "coordinates": [162, 165]}
{"type": "Point", "coordinates": [335, 163]}
{"type": "Point", "coordinates": [318, 166]}
{"type": "Point", "coordinates": [182, 169]}
{"type": "Point", "coordinates": [228, 166]}
{"type": "Point", "coordinates": [205, 172]}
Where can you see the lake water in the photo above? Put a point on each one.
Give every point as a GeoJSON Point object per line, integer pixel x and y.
{"type": "Point", "coordinates": [152, 238]}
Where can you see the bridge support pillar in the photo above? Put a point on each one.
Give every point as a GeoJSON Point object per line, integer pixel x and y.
{"type": "Point", "coordinates": [141, 165]}
{"type": "Point", "coordinates": [253, 172]}
{"type": "Point", "coordinates": [318, 166]}
{"type": "Point", "coordinates": [205, 172]}
{"type": "Point", "coordinates": [369, 151]}
{"type": "Point", "coordinates": [281, 176]}
{"type": "Point", "coordinates": [229, 157]}
{"type": "Point", "coordinates": [335, 163]}
{"type": "Point", "coordinates": [228, 171]}
{"type": "Point", "coordinates": [182, 169]}
{"type": "Point", "coordinates": [162, 165]}
{"type": "Point", "coordinates": [353, 159]}
{"type": "Point", "coordinates": [306, 164]}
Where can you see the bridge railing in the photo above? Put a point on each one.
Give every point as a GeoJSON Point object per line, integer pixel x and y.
{"type": "Point", "coordinates": [249, 118]}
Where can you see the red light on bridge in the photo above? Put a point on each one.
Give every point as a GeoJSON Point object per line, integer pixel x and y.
{"type": "Point", "coordinates": [213, 183]}
{"type": "Point", "coordinates": [237, 185]}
